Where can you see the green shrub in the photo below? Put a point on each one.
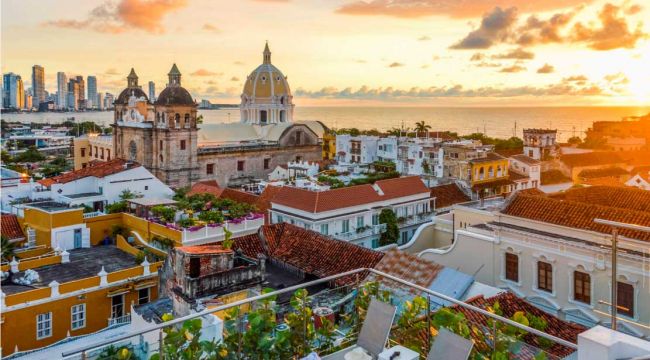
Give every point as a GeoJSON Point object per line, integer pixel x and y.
{"type": "Point", "coordinates": [164, 212]}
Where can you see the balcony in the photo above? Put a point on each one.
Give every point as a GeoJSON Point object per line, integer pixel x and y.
{"type": "Point", "coordinates": [119, 321]}
{"type": "Point", "coordinates": [362, 232]}
{"type": "Point", "coordinates": [328, 323]}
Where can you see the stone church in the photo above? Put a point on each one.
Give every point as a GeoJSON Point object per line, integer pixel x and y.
{"type": "Point", "coordinates": [164, 135]}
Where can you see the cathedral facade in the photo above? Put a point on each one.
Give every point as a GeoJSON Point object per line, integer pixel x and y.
{"type": "Point", "coordinates": [165, 138]}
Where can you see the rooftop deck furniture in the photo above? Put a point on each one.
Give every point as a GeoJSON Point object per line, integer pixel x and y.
{"type": "Point", "coordinates": [449, 346]}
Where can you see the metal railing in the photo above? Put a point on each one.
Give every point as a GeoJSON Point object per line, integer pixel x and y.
{"type": "Point", "coordinates": [358, 272]}
{"type": "Point", "coordinates": [122, 320]}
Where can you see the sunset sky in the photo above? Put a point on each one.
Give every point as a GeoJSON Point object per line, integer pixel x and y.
{"type": "Point", "coordinates": [393, 52]}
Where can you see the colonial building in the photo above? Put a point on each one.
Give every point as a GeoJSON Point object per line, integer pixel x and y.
{"type": "Point", "coordinates": [164, 135]}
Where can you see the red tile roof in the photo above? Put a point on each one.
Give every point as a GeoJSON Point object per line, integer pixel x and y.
{"type": "Point", "coordinates": [630, 198]}
{"type": "Point", "coordinates": [99, 171]}
{"type": "Point", "coordinates": [510, 304]}
{"type": "Point", "coordinates": [319, 201]}
{"type": "Point", "coordinates": [407, 267]}
{"type": "Point", "coordinates": [202, 187]}
{"type": "Point", "coordinates": [577, 215]}
{"type": "Point", "coordinates": [307, 250]}
{"type": "Point", "coordinates": [515, 176]}
{"type": "Point", "coordinates": [604, 172]}
{"type": "Point", "coordinates": [592, 159]}
{"type": "Point", "coordinates": [551, 177]}
{"type": "Point", "coordinates": [448, 195]}
{"type": "Point", "coordinates": [488, 157]}
{"type": "Point", "coordinates": [11, 227]}
{"type": "Point", "coordinates": [239, 196]}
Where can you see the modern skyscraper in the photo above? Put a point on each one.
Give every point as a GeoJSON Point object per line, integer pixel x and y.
{"type": "Point", "coordinates": [100, 101]}
{"type": "Point", "coordinates": [38, 85]}
{"type": "Point", "coordinates": [108, 101]}
{"type": "Point", "coordinates": [28, 100]}
{"type": "Point", "coordinates": [152, 91]}
{"type": "Point", "coordinates": [62, 88]}
{"type": "Point", "coordinates": [92, 92]}
{"type": "Point", "coordinates": [73, 94]}
{"type": "Point", "coordinates": [12, 91]}
{"type": "Point", "coordinates": [81, 96]}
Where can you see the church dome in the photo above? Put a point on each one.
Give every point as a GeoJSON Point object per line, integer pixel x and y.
{"type": "Point", "coordinates": [174, 93]}
{"type": "Point", "coordinates": [132, 89]}
{"type": "Point", "coordinates": [266, 81]}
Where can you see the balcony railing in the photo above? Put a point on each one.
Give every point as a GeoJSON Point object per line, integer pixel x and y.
{"type": "Point", "coordinates": [93, 214]}
{"type": "Point", "coordinates": [122, 320]}
{"type": "Point", "coordinates": [300, 323]}
{"type": "Point", "coordinates": [362, 232]}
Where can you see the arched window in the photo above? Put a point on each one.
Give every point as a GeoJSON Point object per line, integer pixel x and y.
{"type": "Point", "coordinates": [161, 158]}
{"type": "Point", "coordinates": [499, 171]}
{"type": "Point", "coordinates": [281, 100]}
{"type": "Point", "coordinates": [178, 120]}
{"type": "Point", "coordinates": [157, 117]}
{"type": "Point", "coordinates": [187, 120]}
{"type": "Point", "coordinates": [481, 173]}
{"type": "Point", "coordinates": [490, 171]}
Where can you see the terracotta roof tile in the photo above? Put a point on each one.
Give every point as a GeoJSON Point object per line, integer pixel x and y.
{"type": "Point", "coordinates": [629, 198]}
{"type": "Point", "coordinates": [307, 250]}
{"type": "Point", "coordinates": [488, 157]}
{"type": "Point", "coordinates": [319, 201]}
{"type": "Point", "coordinates": [525, 159]}
{"type": "Point", "coordinates": [592, 159]}
{"type": "Point", "coordinates": [604, 172]}
{"type": "Point", "coordinates": [209, 186]}
{"type": "Point", "coordinates": [239, 196]}
{"type": "Point", "coordinates": [515, 176]}
{"type": "Point", "coordinates": [577, 215]}
{"type": "Point", "coordinates": [100, 170]}
{"type": "Point", "coordinates": [510, 304]}
{"type": "Point", "coordinates": [407, 267]}
{"type": "Point", "coordinates": [11, 227]}
{"type": "Point", "coordinates": [551, 177]}
{"type": "Point", "coordinates": [448, 195]}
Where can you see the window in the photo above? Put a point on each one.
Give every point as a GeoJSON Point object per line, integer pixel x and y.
{"type": "Point", "coordinates": [117, 306]}
{"type": "Point", "coordinates": [267, 163]}
{"type": "Point", "coordinates": [345, 226]}
{"type": "Point", "coordinates": [360, 222]}
{"type": "Point", "coordinates": [512, 267]}
{"type": "Point", "coordinates": [582, 287]}
{"type": "Point", "coordinates": [279, 219]}
{"type": "Point", "coordinates": [146, 187]}
{"type": "Point", "coordinates": [375, 243]}
{"type": "Point", "coordinates": [625, 296]}
{"type": "Point", "coordinates": [160, 144]}
{"type": "Point", "coordinates": [43, 325]}
{"type": "Point", "coordinates": [298, 137]}
{"type": "Point", "coordinates": [143, 296]}
{"type": "Point", "coordinates": [102, 153]}
{"type": "Point", "coordinates": [324, 229]}
{"type": "Point", "coordinates": [375, 219]}
{"type": "Point", "coordinates": [78, 315]}
{"type": "Point", "coordinates": [108, 154]}
{"type": "Point", "coordinates": [209, 169]}
{"type": "Point", "coordinates": [240, 165]}
{"type": "Point", "coordinates": [83, 152]}
{"type": "Point", "coordinates": [195, 267]}
{"type": "Point", "coordinates": [544, 276]}
{"type": "Point", "coordinates": [182, 144]}
{"type": "Point", "coordinates": [96, 152]}
{"type": "Point", "coordinates": [90, 151]}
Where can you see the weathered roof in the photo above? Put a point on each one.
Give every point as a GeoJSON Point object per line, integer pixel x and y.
{"type": "Point", "coordinates": [448, 195]}
{"type": "Point", "coordinates": [592, 159]}
{"type": "Point", "coordinates": [320, 201]}
{"type": "Point", "coordinates": [509, 304]}
{"type": "Point", "coordinates": [515, 176]}
{"type": "Point", "coordinates": [11, 227]}
{"type": "Point", "coordinates": [307, 250]}
{"type": "Point", "coordinates": [124, 96]}
{"type": "Point", "coordinates": [99, 171]}
{"type": "Point", "coordinates": [525, 159]}
{"type": "Point", "coordinates": [492, 156]}
{"type": "Point", "coordinates": [492, 184]}
{"type": "Point", "coordinates": [578, 215]}
{"type": "Point", "coordinates": [203, 187]}
{"type": "Point", "coordinates": [604, 172]}
{"type": "Point", "coordinates": [175, 95]}
{"type": "Point", "coordinates": [630, 198]}
{"type": "Point", "coordinates": [551, 177]}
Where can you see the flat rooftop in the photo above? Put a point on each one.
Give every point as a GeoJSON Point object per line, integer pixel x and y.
{"type": "Point", "coordinates": [49, 205]}
{"type": "Point", "coordinates": [84, 263]}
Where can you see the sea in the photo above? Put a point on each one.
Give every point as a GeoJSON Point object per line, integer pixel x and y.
{"type": "Point", "coordinates": [502, 122]}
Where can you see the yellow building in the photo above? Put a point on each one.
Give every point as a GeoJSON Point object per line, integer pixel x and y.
{"type": "Point", "coordinates": [329, 145]}
{"type": "Point", "coordinates": [489, 176]}
{"type": "Point", "coordinates": [92, 147]}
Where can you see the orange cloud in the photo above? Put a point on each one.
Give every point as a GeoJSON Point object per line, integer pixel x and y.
{"type": "Point", "coordinates": [513, 69]}
{"type": "Point", "coordinates": [211, 28]}
{"type": "Point", "coordinates": [145, 15]}
{"type": "Point", "coordinates": [456, 9]}
{"type": "Point", "coordinates": [396, 64]}
{"type": "Point", "coordinates": [204, 72]}
{"type": "Point", "coordinates": [613, 32]}
{"type": "Point", "coordinates": [546, 69]}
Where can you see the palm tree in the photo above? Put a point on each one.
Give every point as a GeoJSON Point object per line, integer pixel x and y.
{"type": "Point", "coordinates": [7, 249]}
{"type": "Point", "coordinates": [421, 127]}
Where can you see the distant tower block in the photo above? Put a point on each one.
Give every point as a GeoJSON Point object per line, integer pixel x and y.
{"type": "Point", "coordinates": [266, 98]}
{"type": "Point", "coordinates": [540, 144]}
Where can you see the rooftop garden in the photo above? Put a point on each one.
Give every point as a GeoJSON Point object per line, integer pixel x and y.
{"type": "Point", "coordinates": [307, 324]}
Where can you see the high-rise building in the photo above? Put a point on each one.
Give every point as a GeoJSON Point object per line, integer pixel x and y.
{"type": "Point", "coordinates": [99, 101]}
{"type": "Point", "coordinates": [73, 94]}
{"type": "Point", "coordinates": [92, 92]}
{"type": "Point", "coordinates": [12, 91]}
{"type": "Point", "coordinates": [152, 91]}
{"type": "Point", "coordinates": [108, 101]}
{"type": "Point", "coordinates": [38, 85]}
{"type": "Point", "coordinates": [28, 100]}
{"type": "Point", "coordinates": [62, 89]}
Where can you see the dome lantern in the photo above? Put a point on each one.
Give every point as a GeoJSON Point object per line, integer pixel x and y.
{"type": "Point", "coordinates": [174, 76]}
{"type": "Point", "coordinates": [132, 79]}
{"type": "Point", "coordinates": [267, 54]}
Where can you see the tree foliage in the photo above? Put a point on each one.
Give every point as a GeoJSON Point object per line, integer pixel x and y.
{"type": "Point", "coordinates": [391, 235]}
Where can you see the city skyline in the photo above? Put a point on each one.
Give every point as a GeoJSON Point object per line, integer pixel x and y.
{"type": "Point", "coordinates": [346, 52]}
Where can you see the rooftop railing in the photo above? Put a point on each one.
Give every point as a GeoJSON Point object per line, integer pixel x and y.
{"type": "Point", "coordinates": [263, 325]}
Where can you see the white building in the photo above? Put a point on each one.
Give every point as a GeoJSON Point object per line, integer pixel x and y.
{"type": "Point", "coordinates": [525, 172]}
{"type": "Point", "coordinates": [294, 169]}
{"type": "Point", "coordinates": [356, 149]}
{"type": "Point", "coordinates": [419, 156]}
{"type": "Point", "coordinates": [540, 144]}
{"type": "Point", "coordinates": [387, 149]}
{"type": "Point", "coordinates": [93, 186]}
{"type": "Point", "coordinates": [352, 213]}
{"type": "Point", "coordinates": [550, 252]}
{"type": "Point", "coordinates": [641, 178]}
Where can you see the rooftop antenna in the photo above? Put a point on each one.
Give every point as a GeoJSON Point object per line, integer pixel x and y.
{"type": "Point", "coordinates": [515, 133]}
